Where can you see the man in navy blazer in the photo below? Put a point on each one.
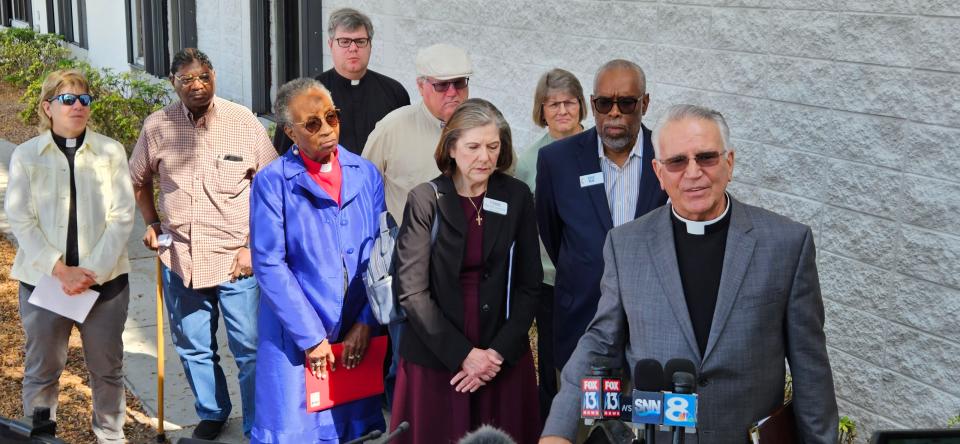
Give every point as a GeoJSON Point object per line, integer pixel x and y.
{"type": "Point", "coordinates": [588, 184]}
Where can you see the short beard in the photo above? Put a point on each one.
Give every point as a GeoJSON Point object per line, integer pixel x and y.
{"type": "Point", "coordinates": [616, 144]}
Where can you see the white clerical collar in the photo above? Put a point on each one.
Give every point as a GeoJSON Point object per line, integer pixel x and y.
{"type": "Point", "coordinates": [699, 227]}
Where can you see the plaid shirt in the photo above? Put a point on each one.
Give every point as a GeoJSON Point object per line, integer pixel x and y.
{"type": "Point", "coordinates": [205, 169]}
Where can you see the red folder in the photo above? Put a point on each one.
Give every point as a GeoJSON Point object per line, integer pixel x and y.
{"type": "Point", "coordinates": [345, 385]}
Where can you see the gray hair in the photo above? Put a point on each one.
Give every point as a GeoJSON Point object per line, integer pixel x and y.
{"type": "Point", "coordinates": [681, 112]}
{"type": "Point", "coordinates": [622, 64]}
{"type": "Point", "coordinates": [349, 19]}
{"type": "Point", "coordinates": [291, 89]}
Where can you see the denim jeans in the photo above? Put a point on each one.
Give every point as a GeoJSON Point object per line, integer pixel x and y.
{"type": "Point", "coordinates": [193, 317]}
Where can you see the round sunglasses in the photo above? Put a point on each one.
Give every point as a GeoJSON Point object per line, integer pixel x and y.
{"type": "Point", "coordinates": [70, 99]}
{"type": "Point", "coordinates": [315, 123]}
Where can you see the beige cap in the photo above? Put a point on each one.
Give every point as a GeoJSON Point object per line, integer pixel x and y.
{"type": "Point", "coordinates": [443, 62]}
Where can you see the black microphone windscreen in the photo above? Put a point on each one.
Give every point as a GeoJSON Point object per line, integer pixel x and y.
{"type": "Point", "coordinates": [486, 435]}
{"type": "Point", "coordinates": [684, 382]}
{"type": "Point", "coordinates": [677, 365]}
{"type": "Point", "coordinates": [648, 375]}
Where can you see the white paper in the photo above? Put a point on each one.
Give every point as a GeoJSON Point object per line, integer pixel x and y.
{"type": "Point", "coordinates": [49, 295]}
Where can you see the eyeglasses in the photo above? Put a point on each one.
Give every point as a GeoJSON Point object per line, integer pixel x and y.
{"type": "Point", "coordinates": [705, 159]}
{"type": "Point", "coordinates": [70, 99]}
{"type": "Point", "coordinates": [344, 42]}
{"type": "Point", "coordinates": [315, 123]}
{"type": "Point", "coordinates": [627, 105]}
{"type": "Point", "coordinates": [572, 105]}
{"type": "Point", "coordinates": [443, 86]}
{"type": "Point", "coordinates": [188, 80]}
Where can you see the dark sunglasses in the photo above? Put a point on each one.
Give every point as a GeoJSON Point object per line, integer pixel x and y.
{"type": "Point", "coordinates": [315, 123]}
{"type": "Point", "coordinates": [70, 99]}
{"type": "Point", "coordinates": [445, 85]}
{"type": "Point", "coordinates": [705, 159]}
{"type": "Point", "coordinates": [627, 105]}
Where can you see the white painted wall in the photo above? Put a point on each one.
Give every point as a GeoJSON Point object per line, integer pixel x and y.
{"type": "Point", "coordinates": [106, 34]}
{"type": "Point", "coordinates": [223, 33]}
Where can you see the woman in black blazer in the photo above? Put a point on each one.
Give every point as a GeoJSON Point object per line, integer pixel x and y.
{"type": "Point", "coordinates": [470, 294]}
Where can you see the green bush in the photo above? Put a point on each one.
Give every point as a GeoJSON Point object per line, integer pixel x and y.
{"type": "Point", "coordinates": [954, 422]}
{"type": "Point", "coordinates": [848, 430]}
{"type": "Point", "coordinates": [26, 55]}
{"type": "Point", "coordinates": [121, 100]}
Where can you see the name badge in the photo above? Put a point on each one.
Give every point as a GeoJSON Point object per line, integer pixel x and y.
{"type": "Point", "coordinates": [495, 206]}
{"type": "Point", "coordinates": [589, 180]}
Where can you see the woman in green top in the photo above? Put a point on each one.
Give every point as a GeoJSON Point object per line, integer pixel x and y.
{"type": "Point", "coordinates": [558, 105]}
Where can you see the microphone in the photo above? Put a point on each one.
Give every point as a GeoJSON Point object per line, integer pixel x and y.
{"type": "Point", "coordinates": [591, 392]}
{"type": "Point", "coordinates": [372, 435]}
{"type": "Point", "coordinates": [680, 407]}
{"type": "Point", "coordinates": [487, 435]}
{"type": "Point", "coordinates": [402, 427]}
{"type": "Point", "coordinates": [647, 397]}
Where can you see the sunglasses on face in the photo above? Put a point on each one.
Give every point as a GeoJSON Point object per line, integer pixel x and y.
{"type": "Point", "coordinates": [344, 42]}
{"type": "Point", "coordinates": [188, 80]}
{"type": "Point", "coordinates": [315, 123]}
{"type": "Point", "coordinates": [627, 105]}
{"type": "Point", "coordinates": [70, 99]}
{"type": "Point", "coordinates": [443, 86]}
{"type": "Point", "coordinates": [705, 159]}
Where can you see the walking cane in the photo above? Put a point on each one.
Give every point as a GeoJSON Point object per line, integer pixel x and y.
{"type": "Point", "coordinates": [160, 360]}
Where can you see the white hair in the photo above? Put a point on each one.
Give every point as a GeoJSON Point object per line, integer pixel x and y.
{"type": "Point", "coordinates": [681, 112]}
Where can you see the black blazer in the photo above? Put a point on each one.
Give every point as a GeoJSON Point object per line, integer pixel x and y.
{"type": "Point", "coordinates": [427, 279]}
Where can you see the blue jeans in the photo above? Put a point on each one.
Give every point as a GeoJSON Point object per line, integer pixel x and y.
{"type": "Point", "coordinates": [193, 317]}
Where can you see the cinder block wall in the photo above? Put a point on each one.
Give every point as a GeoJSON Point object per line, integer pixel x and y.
{"type": "Point", "coordinates": [845, 115]}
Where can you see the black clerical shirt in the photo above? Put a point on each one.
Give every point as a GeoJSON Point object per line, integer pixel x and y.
{"type": "Point", "coordinates": [361, 106]}
{"type": "Point", "coordinates": [700, 259]}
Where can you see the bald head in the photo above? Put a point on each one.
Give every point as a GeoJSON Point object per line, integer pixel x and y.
{"type": "Point", "coordinates": [622, 65]}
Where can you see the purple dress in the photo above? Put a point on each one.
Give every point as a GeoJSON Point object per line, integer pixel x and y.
{"type": "Point", "coordinates": [439, 414]}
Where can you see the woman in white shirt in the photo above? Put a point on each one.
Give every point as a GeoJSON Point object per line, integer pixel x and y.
{"type": "Point", "coordinates": [70, 205]}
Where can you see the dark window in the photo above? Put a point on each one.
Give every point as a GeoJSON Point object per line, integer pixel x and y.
{"type": "Point", "coordinates": [72, 21]}
{"type": "Point", "coordinates": [148, 37]}
{"type": "Point", "coordinates": [21, 10]}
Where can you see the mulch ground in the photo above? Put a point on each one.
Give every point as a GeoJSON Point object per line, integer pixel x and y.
{"type": "Point", "coordinates": [74, 411]}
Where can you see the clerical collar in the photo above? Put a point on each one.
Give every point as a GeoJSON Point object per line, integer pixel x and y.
{"type": "Point", "coordinates": [697, 227]}
{"type": "Point", "coordinates": [315, 167]}
{"type": "Point", "coordinates": [64, 142]}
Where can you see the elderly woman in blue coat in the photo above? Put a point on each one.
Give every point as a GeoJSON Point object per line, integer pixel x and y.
{"type": "Point", "coordinates": [314, 216]}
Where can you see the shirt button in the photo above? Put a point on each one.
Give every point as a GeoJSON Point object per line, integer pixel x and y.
{"type": "Point", "coordinates": [703, 381]}
{"type": "Point", "coordinates": [486, 275]}
{"type": "Point", "coordinates": [343, 222]}
{"type": "Point", "coordinates": [485, 308]}
{"type": "Point", "coordinates": [349, 250]}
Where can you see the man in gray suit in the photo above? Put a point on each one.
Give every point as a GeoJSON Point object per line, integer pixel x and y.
{"type": "Point", "coordinates": [729, 286]}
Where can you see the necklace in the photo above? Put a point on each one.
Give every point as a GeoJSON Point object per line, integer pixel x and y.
{"type": "Point", "coordinates": [479, 218]}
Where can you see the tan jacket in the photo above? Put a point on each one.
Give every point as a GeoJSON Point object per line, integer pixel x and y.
{"type": "Point", "coordinates": [38, 205]}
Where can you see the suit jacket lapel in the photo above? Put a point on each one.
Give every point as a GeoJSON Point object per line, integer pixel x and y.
{"type": "Point", "coordinates": [648, 179]}
{"type": "Point", "coordinates": [664, 252]}
{"type": "Point", "coordinates": [449, 205]}
{"type": "Point", "coordinates": [589, 163]}
{"type": "Point", "coordinates": [349, 186]}
{"type": "Point", "coordinates": [736, 260]}
{"type": "Point", "coordinates": [493, 222]}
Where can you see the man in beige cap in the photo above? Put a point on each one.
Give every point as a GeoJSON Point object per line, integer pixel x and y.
{"type": "Point", "coordinates": [403, 142]}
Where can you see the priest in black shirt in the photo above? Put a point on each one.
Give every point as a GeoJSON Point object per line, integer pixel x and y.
{"type": "Point", "coordinates": [363, 96]}
{"type": "Point", "coordinates": [729, 286]}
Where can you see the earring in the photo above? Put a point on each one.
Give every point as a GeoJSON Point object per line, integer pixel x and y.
{"type": "Point", "coordinates": [296, 151]}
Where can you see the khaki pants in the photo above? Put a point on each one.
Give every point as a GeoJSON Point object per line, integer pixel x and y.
{"type": "Point", "coordinates": [47, 335]}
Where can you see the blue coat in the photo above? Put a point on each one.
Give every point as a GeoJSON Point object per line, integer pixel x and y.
{"type": "Point", "coordinates": [302, 245]}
